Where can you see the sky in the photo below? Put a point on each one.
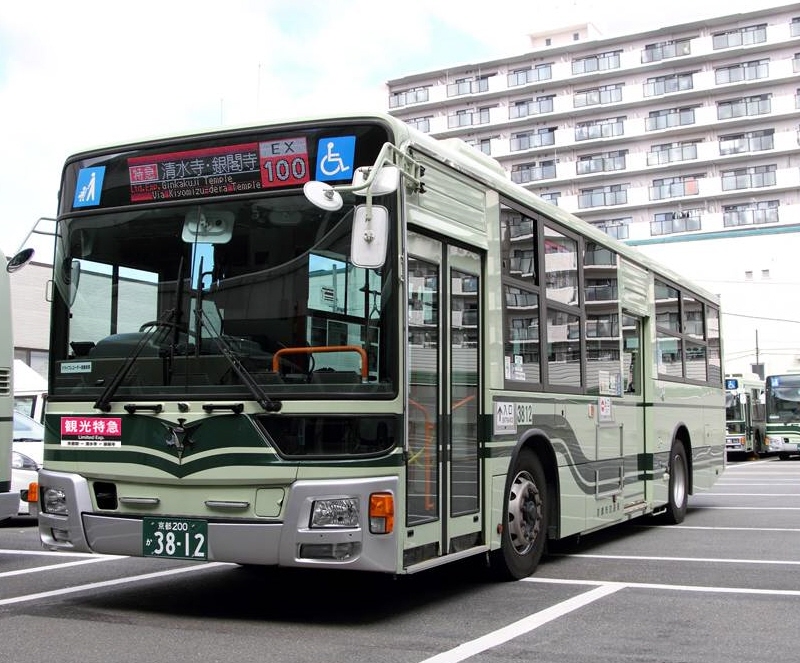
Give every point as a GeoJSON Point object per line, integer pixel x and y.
{"type": "Point", "coordinates": [82, 74]}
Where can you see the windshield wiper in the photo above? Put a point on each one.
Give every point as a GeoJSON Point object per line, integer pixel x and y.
{"type": "Point", "coordinates": [165, 320]}
{"type": "Point", "coordinates": [267, 404]}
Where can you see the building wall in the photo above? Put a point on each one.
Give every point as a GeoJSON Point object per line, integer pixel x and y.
{"type": "Point", "coordinates": [682, 141]}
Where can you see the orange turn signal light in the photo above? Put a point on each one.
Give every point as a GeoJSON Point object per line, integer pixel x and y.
{"type": "Point", "coordinates": [33, 493]}
{"type": "Point", "coordinates": [381, 513]}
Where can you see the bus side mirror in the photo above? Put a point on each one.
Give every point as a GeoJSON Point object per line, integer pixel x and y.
{"type": "Point", "coordinates": [19, 260]}
{"type": "Point", "coordinates": [369, 236]}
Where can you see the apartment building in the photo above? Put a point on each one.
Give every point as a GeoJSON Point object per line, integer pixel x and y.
{"type": "Point", "coordinates": [682, 141]}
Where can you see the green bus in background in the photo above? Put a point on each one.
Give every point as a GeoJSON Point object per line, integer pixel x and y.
{"type": "Point", "coordinates": [783, 414]}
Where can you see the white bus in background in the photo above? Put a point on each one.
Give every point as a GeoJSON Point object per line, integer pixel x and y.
{"type": "Point", "coordinates": [9, 499]}
{"type": "Point", "coordinates": [30, 391]}
{"type": "Point", "coordinates": [745, 415]}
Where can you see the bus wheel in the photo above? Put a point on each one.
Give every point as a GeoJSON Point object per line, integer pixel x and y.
{"type": "Point", "coordinates": [524, 526]}
{"type": "Point", "coordinates": [678, 485]}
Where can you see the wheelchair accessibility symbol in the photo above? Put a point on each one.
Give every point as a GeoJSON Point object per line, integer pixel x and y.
{"type": "Point", "coordinates": [335, 158]}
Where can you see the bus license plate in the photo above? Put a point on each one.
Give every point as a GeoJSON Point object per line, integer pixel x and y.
{"type": "Point", "coordinates": [178, 538]}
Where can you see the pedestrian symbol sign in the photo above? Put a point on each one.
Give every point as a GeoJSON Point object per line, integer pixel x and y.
{"type": "Point", "coordinates": [88, 187]}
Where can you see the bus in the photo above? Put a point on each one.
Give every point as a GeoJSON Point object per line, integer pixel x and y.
{"type": "Point", "coordinates": [9, 499]}
{"type": "Point", "coordinates": [340, 343]}
{"type": "Point", "coordinates": [745, 416]}
{"type": "Point", "coordinates": [783, 414]}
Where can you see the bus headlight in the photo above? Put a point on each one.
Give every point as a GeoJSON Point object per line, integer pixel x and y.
{"type": "Point", "coordinates": [775, 442]}
{"type": "Point", "coordinates": [335, 512]}
{"type": "Point", "coordinates": [54, 500]}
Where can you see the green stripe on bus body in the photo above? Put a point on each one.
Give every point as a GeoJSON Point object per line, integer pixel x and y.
{"type": "Point", "coordinates": [189, 466]}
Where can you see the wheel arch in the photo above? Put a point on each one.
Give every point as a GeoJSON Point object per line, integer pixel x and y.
{"type": "Point", "coordinates": [539, 443]}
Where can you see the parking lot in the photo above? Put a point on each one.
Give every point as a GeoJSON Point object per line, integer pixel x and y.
{"type": "Point", "coordinates": [723, 586]}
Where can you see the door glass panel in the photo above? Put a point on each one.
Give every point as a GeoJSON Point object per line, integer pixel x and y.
{"type": "Point", "coordinates": [423, 344]}
{"type": "Point", "coordinates": [464, 317]}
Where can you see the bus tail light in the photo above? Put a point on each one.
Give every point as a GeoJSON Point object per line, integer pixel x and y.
{"type": "Point", "coordinates": [381, 513]}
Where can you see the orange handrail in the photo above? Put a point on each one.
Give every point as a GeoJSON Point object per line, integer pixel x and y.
{"type": "Point", "coordinates": [306, 350]}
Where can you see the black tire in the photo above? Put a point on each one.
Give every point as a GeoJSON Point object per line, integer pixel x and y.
{"type": "Point", "coordinates": [678, 498]}
{"type": "Point", "coordinates": [525, 520]}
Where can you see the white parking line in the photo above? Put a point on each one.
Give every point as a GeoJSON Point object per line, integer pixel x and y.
{"type": "Point", "coordinates": [108, 583]}
{"type": "Point", "coordinates": [704, 560]}
{"type": "Point", "coordinates": [677, 588]}
{"type": "Point", "coordinates": [54, 567]}
{"type": "Point", "coordinates": [526, 625]}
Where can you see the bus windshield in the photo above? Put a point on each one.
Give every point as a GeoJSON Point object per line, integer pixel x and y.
{"type": "Point", "coordinates": [783, 398]}
{"type": "Point", "coordinates": [734, 412]}
{"type": "Point", "coordinates": [191, 297]}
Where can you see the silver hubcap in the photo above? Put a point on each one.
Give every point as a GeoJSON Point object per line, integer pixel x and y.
{"type": "Point", "coordinates": [524, 513]}
{"type": "Point", "coordinates": [678, 481]}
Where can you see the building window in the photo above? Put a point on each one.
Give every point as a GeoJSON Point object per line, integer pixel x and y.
{"type": "Point", "coordinates": [744, 107]}
{"type": "Point", "coordinates": [531, 139]}
{"type": "Point", "coordinates": [601, 62]}
{"type": "Point", "coordinates": [420, 123]}
{"type": "Point", "coordinates": [468, 86]}
{"type": "Point", "coordinates": [659, 85]}
{"type": "Point", "coordinates": [530, 172]}
{"type": "Point", "coordinates": [752, 34]}
{"type": "Point", "coordinates": [541, 72]}
{"type": "Point", "coordinates": [668, 223]}
{"type": "Point", "coordinates": [666, 49]}
{"type": "Point", "coordinates": [528, 107]}
{"type": "Point", "coordinates": [751, 141]}
{"type": "Point", "coordinates": [612, 194]}
{"type": "Point", "coordinates": [617, 228]}
{"type": "Point", "coordinates": [750, 214]}
{"type": "Point", "coordinates": [600, 128]}
{"type": "Point", "coordinates": [603, 162]}
{"type": "Point", "coordinates": [410, 96]}
{"type": "Point", "coordinates": [794, 27]}
{"type": "Point", "coordinates": [675, 187]}
{"type": "Point", "coordinates": [605, 94]}
{"type": "Point", "coordinates": [672, 152]}
{"type": "Point", "coordinates": [671, 117]}
{"type": "Point", "coordinates": [468, 118]}
{"type": "Point", "coordinates": [744, 71]}
{"type": "Point", "coordinates": [748, 178]}
{"type": "Point", "coordinates": [551, 197]}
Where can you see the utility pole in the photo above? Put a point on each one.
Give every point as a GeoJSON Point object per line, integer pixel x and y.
{"type": "Point", "coordinates": [758, 367]}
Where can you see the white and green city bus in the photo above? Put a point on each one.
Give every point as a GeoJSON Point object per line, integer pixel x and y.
{"type": "Point", "coordinates": [745, 416]}
{"type": "Point", "coordinates": [340, 343]}
{"type": "Point", "coordinates": [783, 414]}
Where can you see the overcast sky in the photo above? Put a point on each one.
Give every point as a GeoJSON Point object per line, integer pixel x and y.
{"type": "Point", "coordinates": [76, 75]}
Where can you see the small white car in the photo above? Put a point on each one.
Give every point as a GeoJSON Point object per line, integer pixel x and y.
{"type": "Point", "coordinates": [27, 455]}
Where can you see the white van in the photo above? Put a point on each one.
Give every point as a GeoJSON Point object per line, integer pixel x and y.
{"type": "Point", "coordinates": [30, 391]}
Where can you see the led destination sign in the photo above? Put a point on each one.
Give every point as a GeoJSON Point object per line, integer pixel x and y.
{"type": "Point", "coordinates": [221, 170]}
